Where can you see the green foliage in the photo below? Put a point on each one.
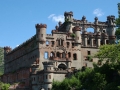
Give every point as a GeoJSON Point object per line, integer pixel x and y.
{"type": "Point", "coordinates": [4, 86]}
{"type": "Point", "coordinates": [1, 60]}
{"type": "Point", "coordinates": [104, 77]}
{"type": "Point", "coordinates": [73, 35]}
{"type": "Point", "coordinates": [90, 58]}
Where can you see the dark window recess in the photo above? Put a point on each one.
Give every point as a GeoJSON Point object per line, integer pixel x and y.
{"type": "Point", "coordinates": [94, 42]}
{"type": "Point", "coordinates": [69, 54]}
{"type": "Point", "coordinates": [41, 35]}
{"type": "Point", "coordinates": [52, 43]}
{"type": "Point", "coordinates": [73, 44]}
{"type": "Point", "coordinates": [103, 31]}
{"type": "Point", "coordinates": [58, 54]}
{"type": "Point", "coordinates": [68, 44]}
{"type": "Point", "coordinates": [75, 56]}
{"type": "Point", "coordinates": [101, 42]}
{"type": "Point", "coordinates": [107, 41]}
{"type": "Point", "coordinates": [89, 53]}
{"type": "Point", "coordinates": [88, 41]}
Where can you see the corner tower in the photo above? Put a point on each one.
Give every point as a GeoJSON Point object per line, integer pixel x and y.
{"type": "Point", "coordinates": [41, 32]}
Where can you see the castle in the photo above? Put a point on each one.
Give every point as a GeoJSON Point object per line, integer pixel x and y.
{"type": "Point", "coordinates": [35, 63]}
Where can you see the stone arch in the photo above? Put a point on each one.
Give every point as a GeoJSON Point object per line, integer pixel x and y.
{"type": "Point", "coordinates": [62, 66]}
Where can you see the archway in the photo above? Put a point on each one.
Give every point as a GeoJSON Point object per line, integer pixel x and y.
{"type": "Point", "coordinates": [63, 66]}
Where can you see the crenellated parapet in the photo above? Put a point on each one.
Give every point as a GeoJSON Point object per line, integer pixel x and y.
{"type": "Point", "coordinates": [41, 26]}
{"type": "Point", "coordinates": [41, 32]}
{"type": "Point", "coordinates": [7, 49]}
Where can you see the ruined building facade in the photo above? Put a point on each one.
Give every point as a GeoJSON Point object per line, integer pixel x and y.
{"type": "Point", "coordinates": [44, 57]}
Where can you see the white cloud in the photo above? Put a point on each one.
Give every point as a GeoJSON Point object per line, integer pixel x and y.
{"type": "Point", "coordinates": [98, 12]}
{"type": "Point", "coordinates": [56, 18]}
{"type": "Point", "coordinates": [17, 45]}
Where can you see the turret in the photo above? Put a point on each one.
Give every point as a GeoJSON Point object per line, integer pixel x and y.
{"type": "Point", "coordinates": [77, 30]}
{"type": "Point", "coordinates": [68, 16]}
{"type": "Point", "coordinates": [7, 49]}
{"type": "Point", "coordinates": [41, 32]}
{"type": "Point", "coordinates": [111, 28]}
{"type": "Point", "coordinates": [48, 75]}
{"type": "Point", "coordinates": [96, 21]}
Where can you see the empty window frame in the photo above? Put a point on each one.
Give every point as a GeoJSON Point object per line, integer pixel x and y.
{"type": "Point", "coordinates": [88, 52]}
{"type": "Point", "coordinates": [74, 56]}
{"type": "Point", "coordinates": [46, 55]}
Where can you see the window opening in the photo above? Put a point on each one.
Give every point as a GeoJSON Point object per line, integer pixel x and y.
{"type": "Point", "coordinates": [89, 53]}
{"type": "Point", "coordinates": [47, 42]}
{"type": "Point", "coordinates": [46, 55]}
{"type": "Point", "coordinates": [74, 56]}
{"type": "Point", "coordinates": [58, 54]}
{"type": "Point", "coordinates": [69, 54]}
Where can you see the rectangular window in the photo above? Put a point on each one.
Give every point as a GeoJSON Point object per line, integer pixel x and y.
{"type": "Point", "coordinates": [68, 44]}
{"type": "Point", "coordinates": [46, 76]}
{"type": "Point", "coordinates": [46, 55]}
{"type": "Point", "coordinates": [41, 35]}
{"type": "Point", "coordinates": [89, 53]}
{"type": "Point", "coordinates": [88, 41]}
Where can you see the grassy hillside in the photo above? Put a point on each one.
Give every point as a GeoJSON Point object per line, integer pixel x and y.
{"type": "Point", "coordinates": [1, 60]}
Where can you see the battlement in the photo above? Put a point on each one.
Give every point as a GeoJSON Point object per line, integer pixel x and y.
{"type": "Point", "coordinates": [7, 48]}
{"type": "Point", "coordinates": [68, 13]}
{"type": "Point", "coordinates": [41, 26]}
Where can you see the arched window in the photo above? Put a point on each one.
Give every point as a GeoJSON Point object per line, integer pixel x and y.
{"type": "Point", "coordinates": [52, 54]}
{"type": "Point", "coordinates": [46, 55]}
{"type": "Point", "coordinates": [58, 54]}
{"type": "Point", "coordinates": [63, 55]}
{"type": "Point", "coordinates": [47, 42]}
{"type": "Point", "coordinates": [63, 66]}
{"type": "Point", "coordinates": [69, 54]}
{"type": "Point", "coordinates": [74, 56]}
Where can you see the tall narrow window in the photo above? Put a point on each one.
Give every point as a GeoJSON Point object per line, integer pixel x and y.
{"type": "Point", "coordinates": [52, 43]}
{"type": "Point", "coordinates": [46, 55]}
{"type": "Point", "coordinates": [69, 54]}
{"type": "Point", "coordinates": [68, 44]}
{"type": "Point", "coordinates": [88, 41]}
{"type": "Point", "coordinates": [74, 56]}
{"type": "Point", "coordinates": [47, 42]}
{"type": "Point", "coordinates": [89, 53]}
{"type": "Point", "coordinates": [41, 35]}
{"type": "Point", "coordinates": [107, 41]}
{"type": "Point", "coordinates": [94, 42]}
{"type": "Point", "coordinates": [58, 54]}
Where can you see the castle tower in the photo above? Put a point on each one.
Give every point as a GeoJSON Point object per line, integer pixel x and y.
{"type": "Point", "coordinates": [7, 50]}
{"type": "Point", "coordinates": [48, 75]}
{"type": "Point", "coordinates": [68, 16]}
{"type": "Point", "coordinates": [77, 30]}
{"type": "Point", "coordinates": [41, 32]}
{"type": "Point", "coordinates": [111, 28]}
{"type": "Point", "coordinates": [84, 27]}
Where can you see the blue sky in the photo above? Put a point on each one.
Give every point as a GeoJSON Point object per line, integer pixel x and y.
{"type": "Point", "coordinates": [18, 17]}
